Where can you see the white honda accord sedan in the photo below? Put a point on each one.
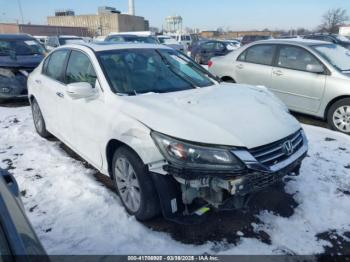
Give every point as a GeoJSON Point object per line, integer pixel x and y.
{"type": "Point", "coordinates": [174, 140]}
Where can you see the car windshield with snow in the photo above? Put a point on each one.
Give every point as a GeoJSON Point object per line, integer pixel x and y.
{"type": "Point", "coordinates": [174, 140]}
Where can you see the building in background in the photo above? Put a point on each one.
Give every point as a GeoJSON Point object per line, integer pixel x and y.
{"type": "Point", "coordinates": [173, 24]}
{"type": "Point", "coordinates": [234, 34]}
{"type": "Point", "coordinates": [107, 20]}
{"type": "Point", "coordinates": [43, 30]}
{"type": "Point", "coordinates": [344, 30]}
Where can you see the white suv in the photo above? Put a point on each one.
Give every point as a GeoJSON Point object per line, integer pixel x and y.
{"type": "Point", "coordinates": [171, 137]}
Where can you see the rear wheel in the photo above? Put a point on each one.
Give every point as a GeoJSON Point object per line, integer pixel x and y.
{"type": "Point", "coordinates": [339, 116]}
{"type": "Point", "coordinates": [134, 185]}
{"type": "Point", "coordinates": [39, 121]}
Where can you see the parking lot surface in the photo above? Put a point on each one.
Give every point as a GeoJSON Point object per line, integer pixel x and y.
{"type": "Point", "coordinates": [74, 209]}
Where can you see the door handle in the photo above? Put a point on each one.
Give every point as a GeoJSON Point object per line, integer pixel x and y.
{"type": "Point", "coordinates": [278, 73]}
{"type": "Point", "coordinates": [60, 95]}
{"type": "Point", "coordinates": [240, 66]}
{"type": "Point", "coordinates": [38, 81]}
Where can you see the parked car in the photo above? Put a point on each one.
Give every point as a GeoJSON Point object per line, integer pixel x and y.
{"type": "Point", "coordinates": [171, 42]}
{"type": "Point", "coordinates": [233, 44]}
{"type": "Point", "coordinates": [186, 40]}
{"type": "Point", "coordinates": [203, 51]}
{"type": "Point", "coordinates": [247, 39]}
{"type": "Point", "coordinates": [332, 38]}
{"type": "Point", "coordinates": [171, 137]}
{"type": "Point", "coordinates": [17, 237]}
{"type": "Point", "coordinates": [123, 38]}
{"type": "Point", "coordinates": [19, 55]}
{"type": "Point", "coordinates": [59, 40]}
{"type": "Point", "coordinates": [310, 77]}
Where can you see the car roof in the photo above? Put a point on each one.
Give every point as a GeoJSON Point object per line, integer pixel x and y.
{"type": "Point", "coordinates": [294, 41]}
{"type": "Point", "coordinates": [107, 46]}
{"type": "Point", "coordinates": [15, 36]}
{"type": "Point", "coordinates": [129, 35]}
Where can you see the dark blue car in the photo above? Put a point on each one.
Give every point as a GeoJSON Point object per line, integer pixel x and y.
{"type": "Point", "coordinates": [204, 50]}
{"type": "Point", "coordinates": [18, 241]}
{"type": "Point", "coordinates": [19, 55]}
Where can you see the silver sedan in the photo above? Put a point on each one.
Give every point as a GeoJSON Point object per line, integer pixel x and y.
{"type": "Point", "coordinates": [310, 77]}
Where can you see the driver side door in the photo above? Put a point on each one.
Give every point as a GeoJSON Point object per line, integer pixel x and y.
{"type": "Point", "coordinates": [86, 113]}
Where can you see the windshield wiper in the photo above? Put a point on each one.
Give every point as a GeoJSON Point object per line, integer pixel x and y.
{"type": "Point", "coordinates": [175, 71]}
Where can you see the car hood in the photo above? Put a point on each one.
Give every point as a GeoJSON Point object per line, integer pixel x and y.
{"type": "Point", "coordinates": [30, 61]}
{"type": "Point", "coordinates": [225, 114]}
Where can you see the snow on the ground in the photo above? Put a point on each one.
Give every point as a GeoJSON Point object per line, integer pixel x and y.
{"type": "Point", "coordinates": [72, 213]}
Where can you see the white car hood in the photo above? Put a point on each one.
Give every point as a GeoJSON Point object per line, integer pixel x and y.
{"type": "Point", "coordinates": [225, 114]}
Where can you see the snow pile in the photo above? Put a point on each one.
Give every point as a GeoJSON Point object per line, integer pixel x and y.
{"type": "Point", "coordinates": [72, 213]}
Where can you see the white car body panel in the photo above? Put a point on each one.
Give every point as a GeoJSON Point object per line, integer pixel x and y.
{"type": "Point", "coordinates": [234, 115]}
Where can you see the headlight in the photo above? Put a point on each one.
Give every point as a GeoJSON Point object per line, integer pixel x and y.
{"type": "Point", "coordinates": [196, 156]}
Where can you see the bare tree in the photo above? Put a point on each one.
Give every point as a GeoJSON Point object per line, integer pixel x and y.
{"type": "Point", "coordinates": [332, 19]}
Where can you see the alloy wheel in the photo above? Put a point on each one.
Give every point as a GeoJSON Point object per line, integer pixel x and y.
{"type": "Point", "coordinates": [37, 117]}
{"type": "Point", "coordinates": [341, 118]}
{"type": "Point", "coordinates": [128, 184]}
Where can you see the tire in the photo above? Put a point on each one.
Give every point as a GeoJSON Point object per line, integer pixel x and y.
{"type": "Point", "coordinates": [338, 116]}
{"type": "Point", "coordinates": [137, 192]}
{"type": "Point", "coordinates": [38, 120]}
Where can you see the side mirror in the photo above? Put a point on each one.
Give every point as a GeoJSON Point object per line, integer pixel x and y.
{"type": "Point", "coordinates": [318, 69]}
{"type": "Point", "coordinates": [80, 90]}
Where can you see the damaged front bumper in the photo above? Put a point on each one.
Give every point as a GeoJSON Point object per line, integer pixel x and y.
{"type": "Point", "coordinates": [13, 82]}
{"type": "Point", "coordinates": [188, 193]}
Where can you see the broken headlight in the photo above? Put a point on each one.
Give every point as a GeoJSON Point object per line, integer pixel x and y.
{"type": "Point", "coordinates": [196, 156]}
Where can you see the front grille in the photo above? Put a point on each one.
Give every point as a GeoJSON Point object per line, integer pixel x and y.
{"type": "Point", "coordinates": [274, 153]}
{"type": "Point", "coordinates": [262, 180]}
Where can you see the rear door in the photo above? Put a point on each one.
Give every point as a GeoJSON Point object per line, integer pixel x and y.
{"type": "Point", "coordinates": [299, 89]}
{"type": "Point", "coordinates": [254, 65]}
{"type": "Point", "coordinates": [50, 96]}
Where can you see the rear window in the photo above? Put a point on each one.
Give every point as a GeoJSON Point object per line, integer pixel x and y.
{"type": "Point", "coordinates": [258, 54]}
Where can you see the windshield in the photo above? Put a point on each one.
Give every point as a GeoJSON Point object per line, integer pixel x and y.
{"type": "Point", "coordinates": [73, 40]}
{"type": "Point", "coordinates": [20, 47]}
{"type": "Point", "coordinates": [336, 55]}
{"type": "Point", "coordinates": [133, 39]}
{"type": "Point", "coordinates": [167, 41]}
{"type": "Point", "coordinates": [138, 71]}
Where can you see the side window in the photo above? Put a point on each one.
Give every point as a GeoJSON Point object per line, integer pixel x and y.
{"type": "Point", "coordinates": [55, 64]}
{"type": "Point", "coordinates": [258, 54]}
{"type": "Point", "coordinates": [219, 47]}
{"type": "Point", "coordinates": [208, 46]}
{"type": "Point", "coordinates": [46, 62]}
{"type": "Point", "coordinates": [296, 58]}
{"type": "Point", "coordinates": [80, 69]}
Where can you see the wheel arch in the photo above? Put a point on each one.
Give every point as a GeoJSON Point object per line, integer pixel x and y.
{"type": "Point", "coordinates": [332, 102]}
{"type": "Point", "coordinates": [111, 147]}
{"type": "Point", "coordinates": [228, 79]}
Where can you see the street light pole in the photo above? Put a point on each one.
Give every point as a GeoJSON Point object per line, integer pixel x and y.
{"type": "Point", "coordinates": [20, 10]}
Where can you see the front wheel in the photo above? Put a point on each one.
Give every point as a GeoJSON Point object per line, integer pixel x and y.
{"type": "Point", "coordinates": [339, 116]}
{"type": "Point", "coordinates": [39, 121]}
{"type": "Point", "coordinates": [134, 185]}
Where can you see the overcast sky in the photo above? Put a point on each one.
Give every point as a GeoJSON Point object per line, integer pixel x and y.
{"type": "Point", "coordinates": [202, 14]}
